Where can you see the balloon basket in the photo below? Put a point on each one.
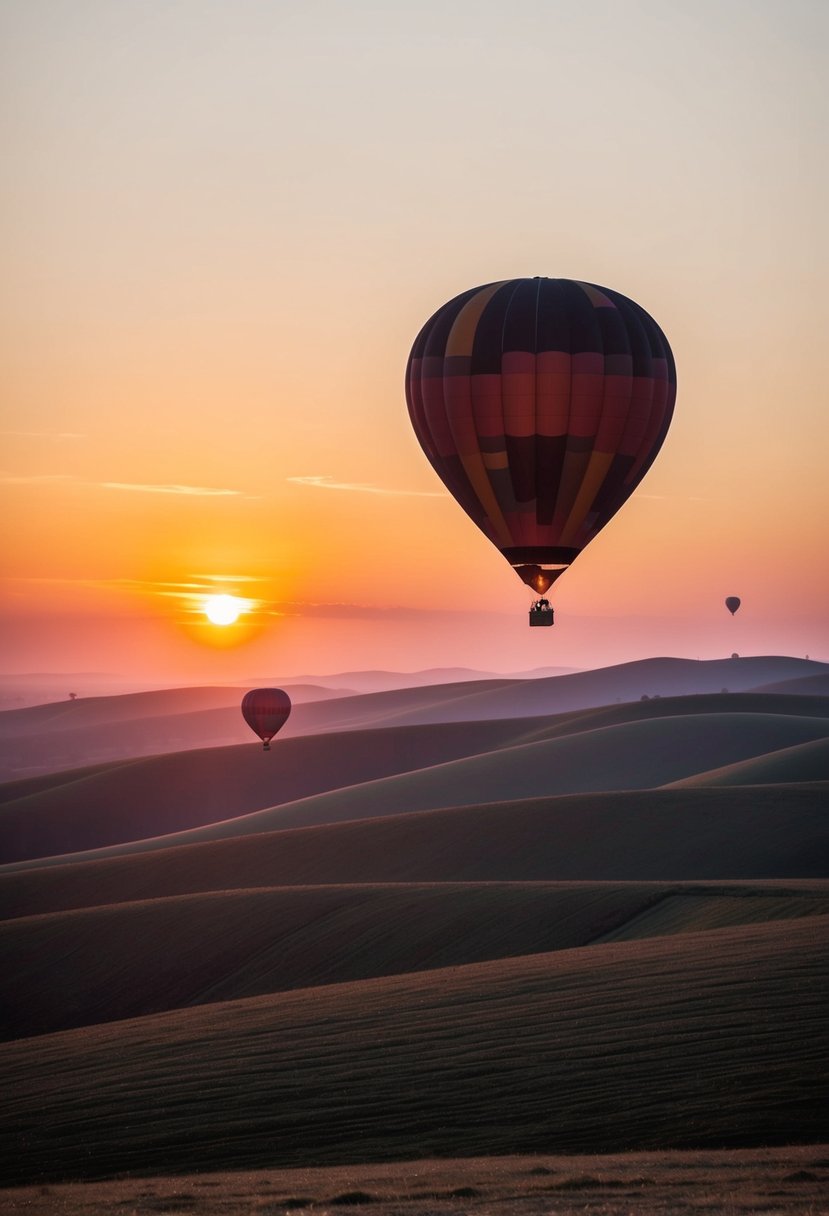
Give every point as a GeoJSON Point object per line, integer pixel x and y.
{"type": "Point", "coordinates": [541, 616]}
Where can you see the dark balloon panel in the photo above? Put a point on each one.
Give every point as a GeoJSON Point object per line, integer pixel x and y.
{"type": "Point", "coordinates": [541, 404]}
{"type": "Point", "coordinates": [732, 603]}
{"type": "Point", "coordinates": [266, 711]}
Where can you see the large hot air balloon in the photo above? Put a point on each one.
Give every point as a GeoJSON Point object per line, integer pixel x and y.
{"type": "Point", "coordinates": [732, 603]}
{"type": "Point", "coordinates": [266, 711]}
{"type": "Point", "coordinates": [541, 404]}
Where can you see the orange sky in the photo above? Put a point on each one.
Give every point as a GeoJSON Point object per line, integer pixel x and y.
{"type": "Point", "coordinates": [225, 226]}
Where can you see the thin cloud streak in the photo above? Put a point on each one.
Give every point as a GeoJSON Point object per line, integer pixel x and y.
{"type": "Point", "coordinates": [194, 491]}
{"type": "Point", "coordinates": [33, 479]}
{"type": "Point", "coordinates": [326, 482]}
{"type": "Point", "coordinates": [36, 479]}
{"type": "Point", "coordinates": [57, 435]}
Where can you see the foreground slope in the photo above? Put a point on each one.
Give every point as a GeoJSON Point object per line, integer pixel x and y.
{"type": "Point", "coordinates": [673, 1042]}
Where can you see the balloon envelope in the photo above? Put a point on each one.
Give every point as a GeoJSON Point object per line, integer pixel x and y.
{"type": "Point", "coordinates": [266, 711]}
{"type": "Point", "coordinates": [541, 404]}
{"type": "Point", "coordinates": [732, 603]}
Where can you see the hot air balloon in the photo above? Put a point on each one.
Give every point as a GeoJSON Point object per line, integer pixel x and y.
{"type": "Point", "coordinates": [266, 711]}
{"type": "Point", "coordinates": [541, 404]}
{"type": "Point", "coordinates": [732, 603]}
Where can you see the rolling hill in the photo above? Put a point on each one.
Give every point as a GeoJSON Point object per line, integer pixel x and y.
{"type": "Point", "coordinates": [315, 779]}
{"type": "Point", "coordinates": [579, 914]}
{"type": "Point", "coordinates": [132, 725]}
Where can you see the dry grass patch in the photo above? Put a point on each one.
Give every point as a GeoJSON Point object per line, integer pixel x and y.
{"type": "Point", "coordinates": [734, 1183]}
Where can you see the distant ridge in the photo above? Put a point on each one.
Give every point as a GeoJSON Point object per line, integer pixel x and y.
{"type": "Point", "coordinates": [191, 718]}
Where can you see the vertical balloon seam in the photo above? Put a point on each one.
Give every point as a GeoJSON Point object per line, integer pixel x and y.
{"type": "Point", "coordinates": [493, 512]}
{"type": "Point", "coordinates": [569, 412]}
{"type": "Point", "coordinates": [562, 508]}
{"type": "Point", "coordinates": [560, 286]}
{"type": "Point", "coordinates": [470, 464]}
{"type": "Point", "coordinates": [414, 396]}
{"type": "Point", "coordinates": [510, 462]}
{"type": "Point", "coordinates": [577, 508]}
{"type": "Point", "coordinates": [640, 467]}
{"type": "Point", "coordinates": [656, 411]}
{"type": "Point", "coordinates": [636, 322]}
{"type": "Point", "coordinates": [611, 400]}
{"type": "Point", "coordinates": [458, 480]}
{"type": "Point", "coordinates": [536, 421]}
{"type": "Point", "coordinates": [631, 324]}
{"type": "Point", "coordinates": [494, 302]}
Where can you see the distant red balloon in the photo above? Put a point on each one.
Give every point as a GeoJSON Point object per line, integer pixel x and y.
{"type": "Point", "coordinates": [266, 711]}
{"type": "Point", "coordinates": [732, 603]}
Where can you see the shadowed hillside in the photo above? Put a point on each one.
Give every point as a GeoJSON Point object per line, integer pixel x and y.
{"type": "Point", "coordinates": [634, 745]}
{"type": "Point", "coordinates": [197, 949]}
{"type": "Point", "coordinates": [803, 762]}
{"type": "Point", "coordinates": [163, 794]}
{"type": "Point", "coordinates": [630, 756]}
{"type": "Point", "coordinates": [672, 1042]}
{"type": "Point", "coordinates": [813, 686]}
{"type": "Point", "coordinates": [733, 833]}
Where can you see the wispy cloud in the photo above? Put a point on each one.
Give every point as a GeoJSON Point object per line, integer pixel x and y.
{"type": "Point", "coordinates": [56, 435]}
{"type": "Point", "coordinates": [361, 487]}
{"type": "Point", "coordinates": [227, 580]}
{"type": "Point", "coordinates": [195, 491]}
{"type": "Point", "coordinates": [33, 479]}
{"type": "Point", "coordinates": [190, 594]}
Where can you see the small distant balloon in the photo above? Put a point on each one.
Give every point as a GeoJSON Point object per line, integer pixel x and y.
{"type": "Point", "coordinates": [732, 603]}
{"type": "Point", "coordinates": [266, 711]}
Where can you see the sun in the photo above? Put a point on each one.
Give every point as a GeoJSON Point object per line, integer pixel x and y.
{"type": "Point", "coordinates": [224, 609]}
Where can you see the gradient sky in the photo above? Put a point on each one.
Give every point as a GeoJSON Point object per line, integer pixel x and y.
{"type": "Point", "coordinates": [224, 224]}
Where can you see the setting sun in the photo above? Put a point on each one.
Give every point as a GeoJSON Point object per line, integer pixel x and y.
{"type": "Point", "coordinates": [224, 609]}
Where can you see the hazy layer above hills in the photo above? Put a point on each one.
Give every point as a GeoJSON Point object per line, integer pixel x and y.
{"type": "Point", "coordinates": [122, 727]}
